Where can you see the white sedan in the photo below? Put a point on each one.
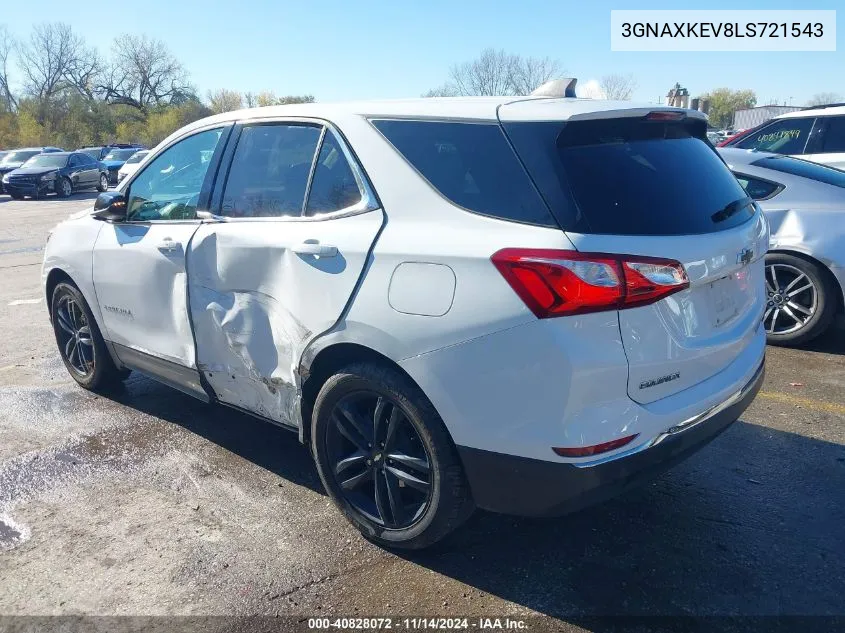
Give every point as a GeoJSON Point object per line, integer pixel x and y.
{"type": "Point", "coordinates": [131, 165]}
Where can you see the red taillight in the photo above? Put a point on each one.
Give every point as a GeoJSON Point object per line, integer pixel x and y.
{"type": "Point", "coordinates": [558, 283]}
{"type": "Point", "coordinates": [586, 451]}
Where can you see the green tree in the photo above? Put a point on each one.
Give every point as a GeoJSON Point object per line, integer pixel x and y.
{"type": "Point", "coordinates": [724, 102]}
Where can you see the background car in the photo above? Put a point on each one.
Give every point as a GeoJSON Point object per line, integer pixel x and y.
{"type": "Point", "coordinates": [17, 157]}
{"type": "Point", "coordinates": [115, 159]}
{"type": "Point", "coordinates": [98, 152]}
{"type": "Point", "coordinates": [61, 173]}
{"type": "Point", "coordinates": [805, 267]}
{"type": "Point", "coordinates": [816, 134]}
{"type": "Point", "coordinates": [131, 165]}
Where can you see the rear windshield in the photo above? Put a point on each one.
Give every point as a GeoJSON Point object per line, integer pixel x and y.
{"type": "Point", "coordinates": [631, 176]}
{"type": "Point", "coordinates": [472, 165]}
{"type": "Point", "coordinates": [119, 154]}
{"type": "Point", "coordinates": [20, 156]}
{"type": "Point", "coordinates": [804, 168]}
{"type": "Point", "coordinates": [137, 157]}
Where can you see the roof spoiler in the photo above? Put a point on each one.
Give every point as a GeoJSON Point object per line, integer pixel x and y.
{"type": "Point", "coordinates": [557, 88]}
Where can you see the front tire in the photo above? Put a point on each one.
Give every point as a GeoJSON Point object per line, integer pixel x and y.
{"type": "Point", "coordinates": [65, 188]}
{"type": "Point", "coordinates": [80, 343]}
{"type": "Point", "coordinates": [104, 183]}
{"type": "Point", "coordinates": [386, 458]}
{"type": "Point", "coordinates": [801, 301]}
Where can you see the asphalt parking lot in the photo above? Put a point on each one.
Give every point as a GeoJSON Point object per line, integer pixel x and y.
{"type": "Point", "coordinates": [149, 502]}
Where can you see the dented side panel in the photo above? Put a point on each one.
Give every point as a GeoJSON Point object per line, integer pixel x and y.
{"type": "Point", "coordinates": [256, 304]}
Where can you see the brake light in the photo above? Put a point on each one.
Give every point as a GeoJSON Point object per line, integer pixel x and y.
{"type": "Point", "coordinates": [555, 283]}
{"type": "Point", "coordinates": [665, 115]}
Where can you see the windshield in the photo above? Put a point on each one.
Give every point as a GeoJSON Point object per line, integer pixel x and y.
{"type": "Point", "coordinates": [47, 160]}
{"type": "Point", "coordinates": [137, 157]}
{"type": "Point", "coordinates": [18, 157]}
{"type": "Point", "coordinates": [120, 154]}
{"type": "Point", "coordinates": [631, 176]}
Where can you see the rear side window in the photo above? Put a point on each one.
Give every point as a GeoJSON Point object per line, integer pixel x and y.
{"type": "Point", "coordinates": [631, 176]}
{"type": "Point", "coordinates": [803, 168]}
{"type": "Point", "coordinates": [269, 172]}
{"type": "Point", "coordinates": [758, 189]}
{"type": "Point", "coordinates": [785, 136]}
{"type": "Point", "coordinates": [333, 186]}
{"type": "Point", "coordinates": [470, 164]}
{"type": "Point", "coordinates": [834, 135]}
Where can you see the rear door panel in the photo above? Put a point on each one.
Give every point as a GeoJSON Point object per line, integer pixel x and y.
{"type": "Point", "coordinates": [256, 303]}
{"type": "Point", "coordinates": [693, 334]}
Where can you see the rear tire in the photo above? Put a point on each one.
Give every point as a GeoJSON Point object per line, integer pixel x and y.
{"type": "Point", "coordinates": [794, 318]}
{"type": "Point", "coordinates": [16, 196]}
{"type": "Point", "coordinates": [104, 183]}
{"type": "Point", "coordinates": [390, 505]}
{"type": "Point", "coordinates": [80, 343]}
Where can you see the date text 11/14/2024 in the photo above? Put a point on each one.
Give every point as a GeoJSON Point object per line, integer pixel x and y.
{"type": "Point", "coordinates": [433, 624]}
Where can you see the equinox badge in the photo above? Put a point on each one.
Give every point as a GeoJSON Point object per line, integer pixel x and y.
{"type": "Point", "coordinates": [659, 381]}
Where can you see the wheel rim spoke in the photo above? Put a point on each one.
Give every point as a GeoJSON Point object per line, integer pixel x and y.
{"type": "Point", "coordinates": [791, 314]}
{"type": "Point", "coordinates": [771, 327]}
{"type": "Point", "coordinates": [774, 276]}
{"type": "Point", "coordinates": [791, 295]}
{"type": "Point", "coordinates": [356, 480]}
{"type": "Point", "coordinates": [347, 427]}
{"type": "Point", "coordinates": [394, 496]}
{"type": "Point", "coordinates": [64, 321]}
{"type": "Point", "coordinates": [382, 494]}
{"type": "Point", "coordinates": [799, 307]}
{"type": "Point", "coordinates": [356, 459]}
{"type": "Point", "coordinates": [392, 423]}
{"type": "Point", "coordinates": [408, 479]}
{"type": "Point", "coordinates": [378, 415]}
{"type": "Point", "coordinates": [792, 283]}
{"type": "Point", "coordinates": [769, 286]}
{"type": "Point", "coordinates": [414, 463]}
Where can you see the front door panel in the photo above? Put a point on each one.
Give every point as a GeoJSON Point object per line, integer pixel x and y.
{"type": "Point", "coordinates": [259, 293]}
{"type": "Point", "coordinates": [141, 286]}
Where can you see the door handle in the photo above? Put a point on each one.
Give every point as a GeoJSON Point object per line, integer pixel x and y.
{"type": "Point", "coordinates": [167, 245]}
{"type": "Point", "coordinates": [313, 247]}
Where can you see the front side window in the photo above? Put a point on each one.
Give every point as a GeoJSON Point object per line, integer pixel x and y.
{"type": "Point", "coordinates": [333, 186]}
{"type": "Point", "coordinates": [758, 189]}
{"type": "Point", "coordinates": [269, 172]}
{"type": "Point", "coordinates": [785, 136]}
{"type": "Point", "coordinates": [169, 186]}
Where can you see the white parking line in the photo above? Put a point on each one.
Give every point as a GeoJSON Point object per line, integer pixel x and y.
{"type": "Point", "coordinates": [20, 302]}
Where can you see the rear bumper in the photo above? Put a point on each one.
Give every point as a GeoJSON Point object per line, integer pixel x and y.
{"type": "Point", "coordinates": [534, 487]}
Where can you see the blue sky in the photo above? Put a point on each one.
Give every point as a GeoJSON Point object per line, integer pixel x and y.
{"type": "Point", "coordinates": [355, 49]}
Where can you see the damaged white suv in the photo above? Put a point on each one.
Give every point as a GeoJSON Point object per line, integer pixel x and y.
{"type": "Point", "coordinates": [517, 304]}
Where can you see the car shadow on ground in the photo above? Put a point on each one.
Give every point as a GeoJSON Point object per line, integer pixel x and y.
{"type": "Point", "coordinates": [832, 341]}
{"type": "Point", "coordinates": [81, 195]}
{"type": "Point", "coordinates": [751, 525]}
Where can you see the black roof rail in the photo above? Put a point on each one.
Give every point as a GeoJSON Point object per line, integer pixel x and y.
{"type": "Point", "coordinates": [823, 106]}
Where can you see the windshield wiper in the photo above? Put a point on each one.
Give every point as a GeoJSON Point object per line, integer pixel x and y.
{"type": "Point", "coordinates": [731, 209]}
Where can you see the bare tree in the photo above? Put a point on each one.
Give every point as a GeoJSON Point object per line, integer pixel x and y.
{"type": "Point", "coordinates": [618, 87]}
{"type": "Point", "coordinates": [145, 73]}
{"type": "Point", "coordinates": [495, 72]}
{"type": "Point", "coordinates": [7, 44]}
{"type": "Point", "coordinates": [250, 99]}
{"type": "Point", "coordinates": [528, 73]}
{"type": "Point", "coordinates": [224, 100]}
{"type": "Point", "coordinates": [55, 60]}
{"type": "Point", "coordinates": [824, 98]}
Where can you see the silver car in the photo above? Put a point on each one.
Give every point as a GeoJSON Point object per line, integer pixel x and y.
{"type": "Point", "coordinates": [805, 267]}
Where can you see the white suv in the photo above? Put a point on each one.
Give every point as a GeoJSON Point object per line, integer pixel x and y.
{"type": "Point", "coordinates": [522, 305]}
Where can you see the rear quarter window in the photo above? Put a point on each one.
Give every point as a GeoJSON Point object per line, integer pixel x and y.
{"type": "Point", "coordinates": [470, 164]}
{"type": "Point", "coordinates": [803, 168]}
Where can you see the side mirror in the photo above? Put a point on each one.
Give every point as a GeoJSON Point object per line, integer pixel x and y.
{"type": "Point", "coordinates": [110, 206]}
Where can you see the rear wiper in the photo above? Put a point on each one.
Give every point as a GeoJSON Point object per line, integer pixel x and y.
{"type": "Point", "coordinates": [731, 209]}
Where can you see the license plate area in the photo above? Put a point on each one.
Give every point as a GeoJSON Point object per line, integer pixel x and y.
{"type": "Point", "coordinates": [721, 296]}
